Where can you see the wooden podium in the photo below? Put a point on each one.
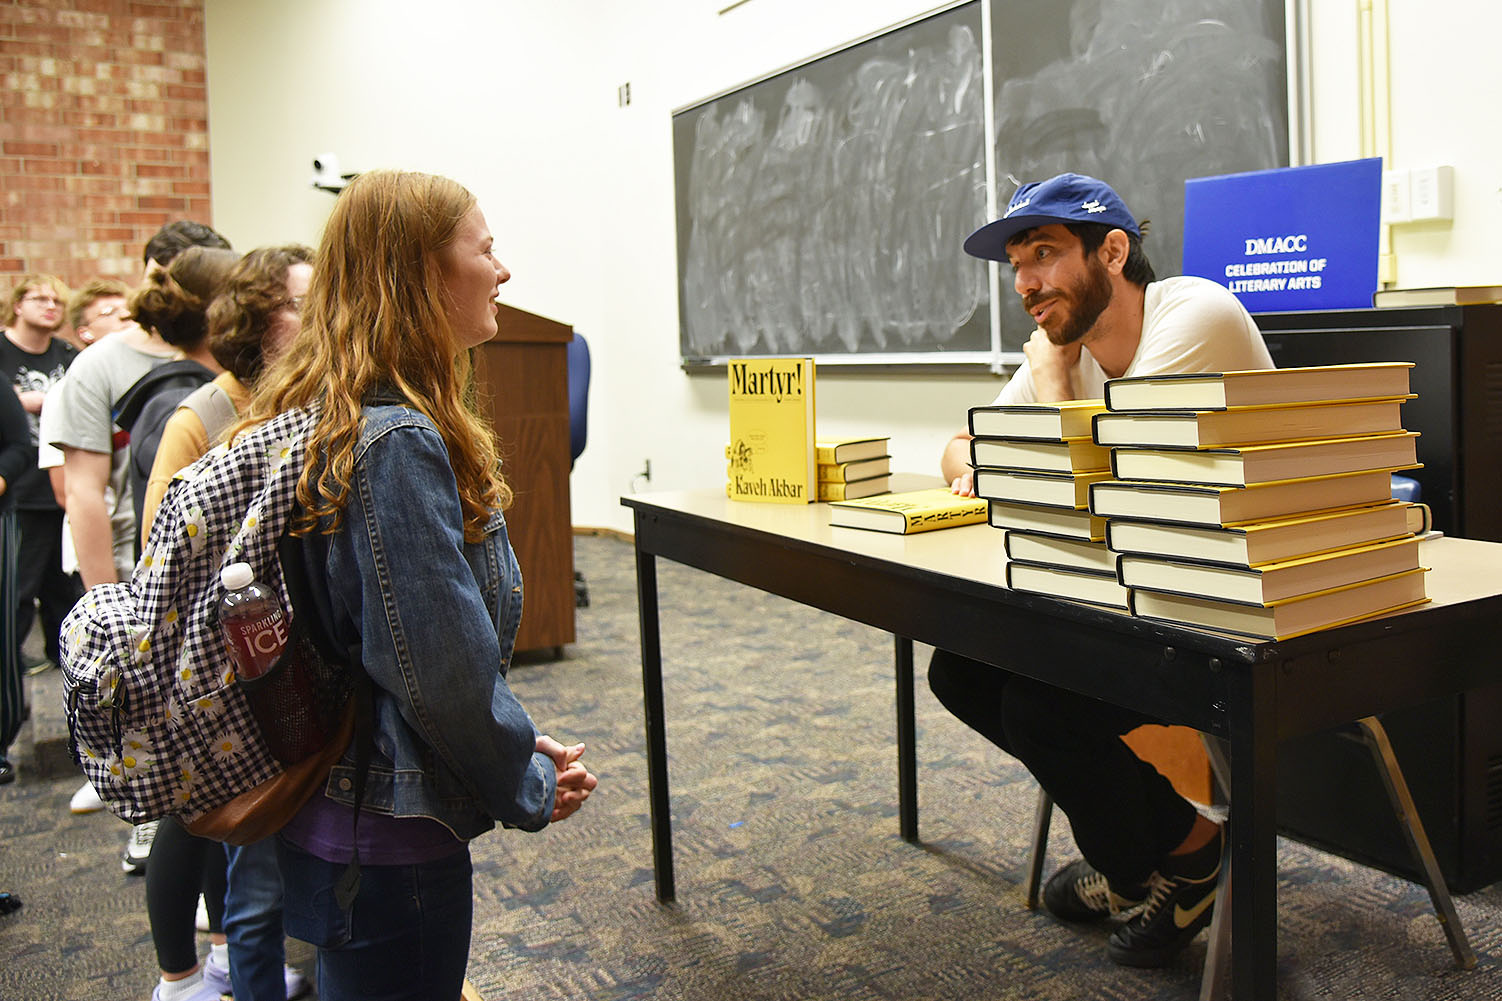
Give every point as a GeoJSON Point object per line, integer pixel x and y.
{"type": "Point", "coordinates": [521, 381]}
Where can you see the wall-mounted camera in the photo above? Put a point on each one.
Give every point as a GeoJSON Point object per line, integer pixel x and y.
{"type": "Point", "coordinates": [326, 174]}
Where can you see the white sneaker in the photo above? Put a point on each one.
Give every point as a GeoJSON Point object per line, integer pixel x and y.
{"type": "Point", "coordinates": [193, 989]}
{"type": "Point", "coordinates": [297, 984]}
{"type": "Point", "coordinates": [138, 848]}
{"type": "Point", "coordinates": [85, 800]}
{"type": "Point", "coordinates": [216, 976]}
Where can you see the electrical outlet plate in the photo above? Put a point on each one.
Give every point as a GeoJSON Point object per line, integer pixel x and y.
{"type": "Point", "coordinates": [1396, 203]}
{"type": "Point", "coordinates": [1432, 194]}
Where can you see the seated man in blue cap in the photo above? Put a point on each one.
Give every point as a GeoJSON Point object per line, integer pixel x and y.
{"type": "Point", "coordinates": [1076, 257]}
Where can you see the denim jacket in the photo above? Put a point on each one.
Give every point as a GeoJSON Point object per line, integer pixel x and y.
{"type": "Point", "coordinates": [434, 619]}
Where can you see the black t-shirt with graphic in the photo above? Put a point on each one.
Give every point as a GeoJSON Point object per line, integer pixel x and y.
{"type": "Point", "coordinates": [27, 371]}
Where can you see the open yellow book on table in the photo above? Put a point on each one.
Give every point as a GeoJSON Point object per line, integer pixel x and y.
{"type": "Point", "coordinates": [909, 512]}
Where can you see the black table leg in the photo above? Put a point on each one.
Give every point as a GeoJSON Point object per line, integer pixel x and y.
{"type": "Point", "coordinates": [657, 741]}
{"type": "Point", "coordinates": [907, 763]}
{"type": "Point", "coordinates": [1254, 843]}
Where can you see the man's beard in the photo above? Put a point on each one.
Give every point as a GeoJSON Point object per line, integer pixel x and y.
{"type": "Point", "coordinates": [1086, 299]}
{"type": "Point", "coordinates": [43, 327]}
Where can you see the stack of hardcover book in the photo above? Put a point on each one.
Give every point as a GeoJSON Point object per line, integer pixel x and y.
{"type": "Point", "coordinates": [850, 468]}
{"type": "Point", "coordinates": [1034, 464]}
{"type": "Point", "coordinates": [1260, 503]}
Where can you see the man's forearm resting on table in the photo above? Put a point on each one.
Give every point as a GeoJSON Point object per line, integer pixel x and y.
{"type": "Point", "coordinates": [955, 462]}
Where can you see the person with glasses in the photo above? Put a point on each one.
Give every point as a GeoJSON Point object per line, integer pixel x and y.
{"type": "Point", "coordinates": [17, 455]}
{"type": "Point", "coordinates": [33, 358]}
{"type": "Point", "coordinates": [98, 310]}
{"type": "Point", "coordinates": [94, 311]}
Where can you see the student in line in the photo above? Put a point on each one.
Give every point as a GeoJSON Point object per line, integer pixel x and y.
{"type": "Point", "coordinates": [1077, 262]}
{"type": "Point", "coordinates": [96, 458]}
{"type": "Point", "coordinates": [34, 355]}
{"type": "Point", "coordinates": [172, 306]}
{"type": "Point", "coordinates": [409, 563]}
{"type": "Point", "coordinates": [17, 458]}
{"type": "Point", "coordinates": [251, 320]}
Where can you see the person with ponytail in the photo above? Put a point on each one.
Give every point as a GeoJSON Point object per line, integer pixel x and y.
{"type": "Point", "coordinates": [251, 320]}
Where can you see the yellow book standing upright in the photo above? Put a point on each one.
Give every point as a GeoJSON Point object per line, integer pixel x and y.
{"type": "Point", "coordinates": [772, 431]}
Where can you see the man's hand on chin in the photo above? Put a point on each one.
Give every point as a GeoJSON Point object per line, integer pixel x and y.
{"type": "Point", "coordinates": [1052, 366]}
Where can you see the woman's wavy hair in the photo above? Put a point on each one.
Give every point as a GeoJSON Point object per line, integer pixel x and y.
{"type": "Point", "coordinates": [174, 302]}
{"type": "Point", "coordinates": [375, 317]}
{"type": "Point", "coordinates": [238, 319]}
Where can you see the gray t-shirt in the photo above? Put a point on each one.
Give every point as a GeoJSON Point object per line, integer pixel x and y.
{"type": "Point", "coordinates": [83, 419]}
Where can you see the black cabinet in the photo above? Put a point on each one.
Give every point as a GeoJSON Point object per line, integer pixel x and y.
{"type": "Point", "coordinates": [1329, 793]}
{"type": "Point", "coordinates": [1457, 356]}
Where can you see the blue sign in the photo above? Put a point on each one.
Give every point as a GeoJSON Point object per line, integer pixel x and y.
{"type": "Point", "coordinates": [1289, 238]}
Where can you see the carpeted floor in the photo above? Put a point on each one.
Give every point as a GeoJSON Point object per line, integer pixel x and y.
{"type": "Point", "coordinates": [792, 880]}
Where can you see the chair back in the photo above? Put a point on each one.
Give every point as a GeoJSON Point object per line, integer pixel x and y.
{"type": "Point", "coordinates": [578, 395]}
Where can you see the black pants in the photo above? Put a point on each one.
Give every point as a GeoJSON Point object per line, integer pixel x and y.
{"type": "Point", "coordinates": [1126, 816]}
{"type": "Point", "coordinates": [40, 577]}
{"type": "Point", "coordinates": [12, 691]}
{"type": "Point", "coordinates": [181, 867]}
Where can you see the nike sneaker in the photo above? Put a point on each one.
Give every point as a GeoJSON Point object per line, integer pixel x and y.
{"type": "Point", "coordinates": [138, 848]}
{"type": "Point", "coordinates": [1179, 905]}
{"type": "Point", "coordinates": [1078, 892]}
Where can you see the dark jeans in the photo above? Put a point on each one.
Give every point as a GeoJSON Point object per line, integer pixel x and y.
{"type": "Point", "coordinates": [253, 922]}
{"type": "Point", "coordinates": [1125, 815]}
{"type": "Point", "coordinates": [40, 577]}
{"type": "Point", "coordinates": [405, 938]}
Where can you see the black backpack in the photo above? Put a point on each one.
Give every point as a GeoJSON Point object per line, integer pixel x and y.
{"type": "Point", "coordinates": [143, 411]}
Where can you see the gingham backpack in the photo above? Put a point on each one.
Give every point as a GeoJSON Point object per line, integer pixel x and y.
{"type": "Point", "coordinates": [156, 719]}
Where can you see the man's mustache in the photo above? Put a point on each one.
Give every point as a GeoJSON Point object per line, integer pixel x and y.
{"type": "Point", "coordinates": [1032, 302]}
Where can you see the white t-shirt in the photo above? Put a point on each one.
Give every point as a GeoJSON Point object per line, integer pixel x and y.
{"type": "Point", "coordinates": [80, 418]}
{"type": "Point", "coordinates": [122, 522]}
{"type": "Point", "coordinates": [1188, 325]}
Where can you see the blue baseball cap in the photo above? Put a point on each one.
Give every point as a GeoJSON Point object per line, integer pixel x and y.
{"type": "Point", "coordinates": [1065, 198]}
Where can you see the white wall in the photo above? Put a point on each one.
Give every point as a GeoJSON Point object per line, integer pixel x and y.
{"type": "Point", "coordinates": [517, 100]}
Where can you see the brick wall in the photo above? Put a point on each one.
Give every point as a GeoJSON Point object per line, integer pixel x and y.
{"type": "Point", "coordinates": [103, 132]}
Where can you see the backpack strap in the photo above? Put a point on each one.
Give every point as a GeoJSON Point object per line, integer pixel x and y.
{"type": "Point", "coordinates": [213, 407]}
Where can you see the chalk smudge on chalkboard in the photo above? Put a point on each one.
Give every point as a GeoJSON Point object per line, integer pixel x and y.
{"type": "Point", "coordinates": [825, 207]}
{"type": "Point", "coordinates": [1141, 93]}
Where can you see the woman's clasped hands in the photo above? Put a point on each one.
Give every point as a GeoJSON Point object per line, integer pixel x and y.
{"type": "Point", "coordinates": [575, 782]}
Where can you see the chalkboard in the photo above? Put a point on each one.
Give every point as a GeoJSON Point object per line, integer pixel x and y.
{"type": "Point", "coordinates": [821, 209]}
{"type": "Point", "coordinates": [1143, 94]}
